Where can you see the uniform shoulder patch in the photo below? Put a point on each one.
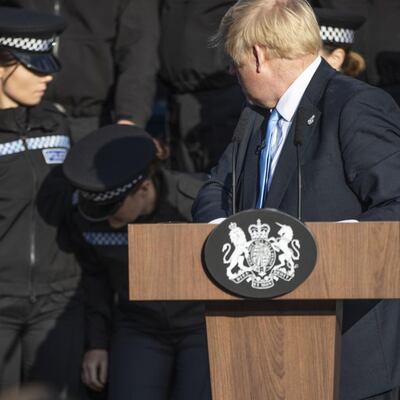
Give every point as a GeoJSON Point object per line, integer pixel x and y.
{"type": "Point", "coordinates": [54, 107]}
{"type": "Point", "coordinates": [60, 108]}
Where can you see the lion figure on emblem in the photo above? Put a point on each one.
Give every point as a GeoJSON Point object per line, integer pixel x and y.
{"type": "Point", "coordinates": [238, 239]}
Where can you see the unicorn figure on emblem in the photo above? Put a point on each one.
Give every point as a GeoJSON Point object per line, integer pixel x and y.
{"type": "Point", "coordinates": [289, 249]}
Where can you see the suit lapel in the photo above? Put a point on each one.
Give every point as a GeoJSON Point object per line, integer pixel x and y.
{"type": "Point", "coordinates": [247, 160]}
{"type": "Point", "coordinates": [287, 163]}
{"type": "Point", "coordinates": [249, 128]}
{"type": "Point", "coordinates": [251, 178]}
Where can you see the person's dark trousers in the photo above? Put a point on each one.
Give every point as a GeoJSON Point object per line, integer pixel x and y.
{"type": "Point", "coordinates": [159, 366]}
{"type": "Point", "coordinates": [201, 125]}
{"type": "Point", "coordinates": [42, 342]}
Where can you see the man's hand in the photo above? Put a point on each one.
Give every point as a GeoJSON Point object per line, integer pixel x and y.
{"type": "Point", "coordinates": [94, 369]}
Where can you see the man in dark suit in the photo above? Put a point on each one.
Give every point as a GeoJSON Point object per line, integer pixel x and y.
{"type": "Point", "coordinates": [348, 137]}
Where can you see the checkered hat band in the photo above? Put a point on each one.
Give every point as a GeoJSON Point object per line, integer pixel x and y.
{"type": "Point", "coordinates": [336, 35]}
{"type": "Point", "coordinates": [106, 238]}
{"type": "Point", "coordinates": [111, 194]}
{"type": "Point", "coordinates": [37, 143]}
{"type": "Point", "coordinates": [28, 44]}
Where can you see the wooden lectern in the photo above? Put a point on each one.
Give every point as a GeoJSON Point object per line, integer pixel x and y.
{"type": "Point", "coordinates": [285, 348]}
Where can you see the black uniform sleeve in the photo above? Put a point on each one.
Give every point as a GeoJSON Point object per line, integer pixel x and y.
{"type": "Point", "coordinates": [98, 294]}
{"type": "Point", "coordinates": [98, 303]}
{"type": "Point", "coordinates": [136, 59]}
{"type": "Point", "coordinates": [54, 189]}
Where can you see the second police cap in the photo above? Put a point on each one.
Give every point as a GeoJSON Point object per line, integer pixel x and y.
{"type": "Point", "coordinates": [106, 165]}
{"type": "Point", "coordinates": [30, 37]}
{"type": "Point", "coordinates": [337, 27]}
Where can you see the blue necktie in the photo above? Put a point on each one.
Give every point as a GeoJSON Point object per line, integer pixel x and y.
{"type": "Point", "coordinates": [272, 142]}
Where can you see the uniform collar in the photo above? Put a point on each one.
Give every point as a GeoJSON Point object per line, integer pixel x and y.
{"type": "Point", "coordinates": [13, 119]}
{"type": "Point", "coordinates": [21, 119]}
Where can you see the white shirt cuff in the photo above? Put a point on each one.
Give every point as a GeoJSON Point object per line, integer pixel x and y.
{"type": "Point", "coordinates": [217, 221]}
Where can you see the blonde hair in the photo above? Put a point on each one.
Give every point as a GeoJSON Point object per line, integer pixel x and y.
{"type": "Point", "coordinates": [287, 28]}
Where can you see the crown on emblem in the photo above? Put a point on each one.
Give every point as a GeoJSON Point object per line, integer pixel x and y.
{"type": "Point", "coordinates": [259, 231]}
{"type": "Point", "coordinates": [235, 230]}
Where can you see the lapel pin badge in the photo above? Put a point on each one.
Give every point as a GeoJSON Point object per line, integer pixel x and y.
{"type": "Point", "coordinates": [311, 120]}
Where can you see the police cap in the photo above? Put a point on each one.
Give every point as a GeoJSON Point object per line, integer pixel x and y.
{"type": "Point", "coordinates": [106, 165]}
{"type": "Point", "coordinates": [337, 27]}
{"type": "Point", "coordinates": [30, 37]}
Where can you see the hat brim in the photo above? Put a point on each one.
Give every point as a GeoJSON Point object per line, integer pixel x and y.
{"type": "Point", "coordinates": [44, 63]}
{"type": "Point", "coordinates": [97, 212]}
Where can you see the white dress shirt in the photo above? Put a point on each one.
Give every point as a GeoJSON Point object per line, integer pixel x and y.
{"type": "Point", "coordinates": [289, 102]}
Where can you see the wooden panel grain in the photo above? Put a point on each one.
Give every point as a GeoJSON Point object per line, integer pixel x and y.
{"type": "Point", "coordinates": [359, 260]}
{"type": "Point", "coordinates": [356, 260]}
{"type": "Point", "coordinates": [165, 262]}
{"type": "Point", "coordinates": [284, 353]}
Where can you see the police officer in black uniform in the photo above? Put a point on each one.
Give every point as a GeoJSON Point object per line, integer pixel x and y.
{"type": "Point", "coordinates": [338, 31]}
{"type": "Point", "coordinates": [109, 54]}
{"type": "Point", "coordinates": [155, 350]}
{"type": "Point", "coordinates": [40, 312]}
{"type": "Point", "coordinates": [204, 97]}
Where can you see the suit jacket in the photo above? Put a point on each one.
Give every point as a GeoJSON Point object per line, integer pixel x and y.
{"type": "Point", "coordinates": [350, 160]}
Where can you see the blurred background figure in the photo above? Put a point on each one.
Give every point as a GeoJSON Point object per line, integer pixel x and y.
{"type": "Point", "coordinates": [109, 58]}
{"type": "Point", "coordinates": [41, 313]}
{"type": "Point", "coordinates": [380, 32]}
{"type": "Point", "coordinates": [338, 29]}
{"type": "Point", "coordinates": [377, 39]}
{"type": "Point", "coordinates": [32, 392]}
{"type": "Point", "coordinates": [388, 65]}
{"type": "Point", "coordinates": [204, 98]}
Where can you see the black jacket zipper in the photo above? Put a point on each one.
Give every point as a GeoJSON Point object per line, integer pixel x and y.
{"type": "Point", "coordinates": [32, 236]}
{"type": "Point", "coordinates": [57, 11]}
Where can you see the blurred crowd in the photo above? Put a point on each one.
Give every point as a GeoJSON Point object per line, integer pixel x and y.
{"type": "Point", "coordinates": [180, 88]}
{"type": "Point", "coordinates": [144, 97]}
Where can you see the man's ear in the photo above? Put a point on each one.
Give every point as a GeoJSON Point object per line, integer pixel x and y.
{"type": "Point", "coordinates": [259, 56]}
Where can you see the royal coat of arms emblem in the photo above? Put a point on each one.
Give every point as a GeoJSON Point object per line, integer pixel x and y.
{"type": "Point", "coordinates": [263, 260]}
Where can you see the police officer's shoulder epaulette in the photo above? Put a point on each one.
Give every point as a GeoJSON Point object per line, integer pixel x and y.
{"type": "Point", "coordinates": [48, 117]}
{"type": "Point", "coordinates": [189, 184]}
{"type": "Point", "coordinates": [53, 107]}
